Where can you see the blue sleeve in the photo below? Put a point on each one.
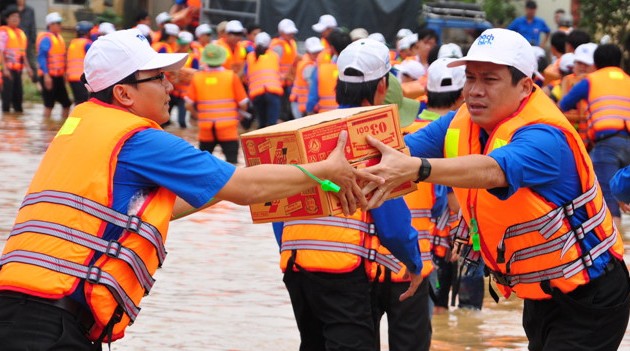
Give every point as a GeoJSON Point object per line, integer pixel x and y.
{"type": "Point", "coordinates": [578, 92]}
{"type": "Point", "coordinates": [514, 24]}
{"type": "Point", "coordinates": [195, 63]}
{"type": "Point", "coordinates": [87, 46]}
{"type": "Point", "coordinates": [42, 54]}
{"type": "Point", "coordinates": [398, 236]}
{"type": "Point", "coordinates": [534, 158]}
{"type": "Point", "coordinates": [544, 27]}
{"type": "Point", "coordinates": [156, 158]}
{"type": "Point", "coordinates": [441, 201]}
{"type": "Point", "coordinates": [278, 227]}
{"type": "Point", "coordinates": [620, 185]}
{"type": "Point", "coordinates": [313, 92]}
{"type": "Point", "coordinates": [429, 141]}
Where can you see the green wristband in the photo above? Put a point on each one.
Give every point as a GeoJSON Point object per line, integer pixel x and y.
{"type": "Point", "coordinates": [326, 184]}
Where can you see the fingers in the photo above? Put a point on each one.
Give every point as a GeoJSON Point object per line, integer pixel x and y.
{"type": "Point", "coordinates": [341, 141]}
{"type": "Point", "coordinates": [344, 203]}
{"type": "Point", "coordinates": [358, 194]}
{"type": "Point", "coordinates": [378, 197]}
{"type": "Point", "coordinates": [413, 287]}
{"type": "Point", "coordinates": [376, 143]}
{"type": "Point", "coordinates": [367, 177]}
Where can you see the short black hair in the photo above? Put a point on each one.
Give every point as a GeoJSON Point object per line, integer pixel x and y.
{"type": "Point", "coordinates": [107, 95]}
{"type": "Point", "coordinates": [252, 27]}
{"type": "Point", "coordinates": [531, 4]}
{"type": "Point", "coordinates": [558, 41]}
{"type": "Point", "coordinates": [560, 11]}
{"type": "Point", "coordinates": [353, 94]}
{"type": "Point", "coordinates": [607, 55]}
{"type": "Point", "coordinates": [142, 15]}
{"type": "Point", "coordinates": [578, 37]}
{"type": "Point", "coordinates": [427, 33]}
{"type": "Point", "coordinates": [339, 39]}
{"type": "Point", "coordinates": [443, 100]}
{"type": "Point", "coordinates": [516, 75]}
{"type": "Point", "coordinates": [9, 10]}
{"type": "Point", "coordinates": [433, 54]}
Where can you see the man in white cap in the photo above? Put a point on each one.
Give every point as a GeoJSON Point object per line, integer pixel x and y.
{"type": "Point", "coordinates": [160, 20]}
{"type": "Point", "coordinates": [606, 93]}
{"type": "Point", "coordinates": [325, 25]}
{"type": "Point", "coordinates": [91, 230]}
{"type": "Point", "coordinates": [231, 42]}
{"type": "Point", "coordinates": [285, 46]}
{"type": "Point", "coordinates": [303, 72]}
{"type": "Point", "coordinates": [329, 289]}
{"type": "Point", "coordinates": [203, 36]}
{"type": "Point", "coordinates": [51, 59]}
{"type": "Point", "coordinates": [531, 204]}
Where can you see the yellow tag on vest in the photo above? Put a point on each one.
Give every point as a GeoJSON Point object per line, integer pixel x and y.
{"type": "Point", "coordinates": [452, 142]}
{"type": "Point", "coordinates": [498, 143]}
{"type": "Point", "coordinates": [212, 80]}
{"type": "Point", "coordinates": [615, 75]}
{"type": "Point", "coordinates": [69, 126]}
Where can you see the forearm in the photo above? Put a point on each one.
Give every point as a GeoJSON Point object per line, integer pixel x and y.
{"type": "Point", "coordinates": [472, 171]}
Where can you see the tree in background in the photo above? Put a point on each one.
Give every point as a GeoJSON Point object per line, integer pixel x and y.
{"type": "Point", "coordinates": [499, 12]}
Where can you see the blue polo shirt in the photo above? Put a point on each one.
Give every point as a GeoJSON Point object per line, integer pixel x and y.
{"type": "Point", "coordinates": [538, 157]}
{"type": "Point", "coordinates": [620, 185]}
{"type": "Point", "coordinates": [530, 30]}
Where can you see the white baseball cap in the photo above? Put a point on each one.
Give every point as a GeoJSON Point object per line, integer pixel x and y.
{"type": "Point", "coordinates": [115, 56]}
{"type": "Point", "coordinates": [539, 52]}
{"type": "Point", "coordinates": [171, 29]}
{"type": "Point", "coordinates": [287, 26]}
{"type": "Point", "coordinates": [53, 17]}
{"type": "Point", "coordinates": [567, 61]}
{"type": "Point", "coordinates": [451, 50]}
{"type": "Point", "coordinates": [325, 22]}
{"type": "Point", "coordinates": [584, 53]}
{"type": "Point", "coordinates": [106, 28]}
{"type": "Point", "coordinates": [162, 18]}
{"type": "Point", "coordinates": [359, 33]}
{"type": "Point", "coordinates": [408, 41]}
{"type": "Point", "coordinates": [234, 26]}
{"type": "Point", "coordinates": [262, 39]}
{"type": "Point", "coordinates": [366, 56]}
{"type": "Point", "coordinates": [378, 37]}
{"type": "Point", "coordinates": [412, 68]}
{"type": "Point", "coordinates": [144, 29]}
{"type": "Point", "coordinates": [202, 29]}
{"type": "Point", "coordinates": [185, 37]}
{"type": "Point", "coordinates": [445, 79]}
{"type": "Point", "coordinates": [502, 47]}
{"type": "Point", "coordinates": [403, 32]}
{"type": "Point", "coordinates": [313, 45]}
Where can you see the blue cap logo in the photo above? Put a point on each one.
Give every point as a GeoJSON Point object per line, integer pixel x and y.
{"type": "Point", "coordinates": [485, 39]}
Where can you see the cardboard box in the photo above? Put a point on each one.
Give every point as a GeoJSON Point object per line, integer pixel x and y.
{"type": "Point", "coordinates": [312, 139]}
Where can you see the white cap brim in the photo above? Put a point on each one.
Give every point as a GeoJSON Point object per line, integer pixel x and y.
{"type": "Point", "coordinates": [166, 62]}
{"type": "Point", "coordinates": [318, 27]}
{"type": "Point", "coordinates": [464, 60]}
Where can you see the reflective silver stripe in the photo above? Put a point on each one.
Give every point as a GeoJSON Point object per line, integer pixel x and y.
{"type": "Point", "coordinates": [424, 235]}
{"type": "Point", "coordinates": [92, 274]}
{"type": "Point", "coordinates": [441, 241]}
{"type": "Point", "coordinates": [461, 231]}
{"type": "Point", "coordinates": [109, 248]}
{"type": "Point", "coordinates": [321, 245]}
{"type": "Point", "coordinates": [341, 222]}
{"type": "Point", "coordinates": [443, 220]}
{"type": "Point", "coordinates": [130, 223]}
{"type": "Point", "coordinates": [420, 213]}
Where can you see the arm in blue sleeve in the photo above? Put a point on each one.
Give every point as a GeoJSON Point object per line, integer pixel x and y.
{"type": "Point", "coordinates": [513, 25]}
{"type": "Point", "coordinates": [577, 93]}
{"type": "Point", "coordinates": [278, 227]}
{"type": "Point", "coordinates": [42, 54]}
{"type": "Point", "coordinates": [429, 141]}
{"type": "Point", "coordinates": [620, 185]}
{"type": "Point", "coordinates": [313, 92]}
{"type": "Point", "coordinates": [393, 226]}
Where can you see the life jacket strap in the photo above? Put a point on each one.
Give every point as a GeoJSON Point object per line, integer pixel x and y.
{"type": "Point", "coordinates": [349, 223]}
{"type": "Point", "coordinates": [92, 274]}
{"type": "Point", "coordinates": [420, 213]}
{"type": "Point", "coordinates": [130, 223]}
{"type": "Point", "coordinates": [112, 248]}
{"type": "Point", "coordinates": [442, 221]}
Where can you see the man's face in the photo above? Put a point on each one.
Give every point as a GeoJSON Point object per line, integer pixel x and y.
{"type": "Point", "coordinates": [234, 38]}
{"type": "Point", "coordinates": [530, 13]}
{"type": "Point", "coordinates": [424, 46]}
{"type": "Point", "coordinates": [581, 68]}
{"type": "Point", "coordinates": [55, 27]}
{"type": "Point", "coordinates": [150, 99]}
{"type": "Point", "coordinates": [489, 93]}
{"type": "Point", "coordinates": [13, 21]}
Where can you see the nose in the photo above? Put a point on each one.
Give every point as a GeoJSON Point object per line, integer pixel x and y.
{"type": "Point", "coordinates": [474, 87]}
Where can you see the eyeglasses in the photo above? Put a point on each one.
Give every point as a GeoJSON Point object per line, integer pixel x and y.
{"type": "Point", "coordinates": [159, 76]}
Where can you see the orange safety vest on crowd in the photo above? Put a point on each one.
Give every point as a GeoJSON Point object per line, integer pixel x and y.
{"type": "Point", "coordinates": [184, 75]}
{"type": "Point", "coordinates": [287, 60]}
{"type": "Point", "coordinates": [608, 101]}
{"type": "Point", "coordinates": [331, 244]}
{"type": "Point", "coordinates": [579, 113]}
{"type": "Point", "coordinates": [76, 55]}
{"type": "Point", "coordinates": [327, 74]}
{"type": "Point", "coordinates": [234, 59]}
{"type": "Point", "coordinates": [263, 74]}
{"type": "Point", "coordinates": [217, 101]}
{"type": "Point", "coordinates": [162, 45]}
{"type": "Point", "coordinates": [325, 56]}
{"type": "Point", "coordinates": [59, 227]}
{"type": "Point", "coordinates": [299, 92]}
{"type": "Point", "coordinates": [15, 49]}
{"type": "Point", "coordinates": [525, 239]}
{"type": "Point", "coordinates": [420, 203]}
{"type": "Point", "coordinates": [56, 59]}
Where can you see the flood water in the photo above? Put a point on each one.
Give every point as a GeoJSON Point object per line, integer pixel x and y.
{"type": "Point", "coordinates": [221, 287]}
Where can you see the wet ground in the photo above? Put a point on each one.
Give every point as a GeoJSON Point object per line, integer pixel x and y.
{"type": "Point", "coordinates": [221, 288]}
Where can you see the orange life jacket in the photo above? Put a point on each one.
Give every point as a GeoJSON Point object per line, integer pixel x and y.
{"type": "Point", "coordinates": [420, 203]}
{"type": "Point", "coordinates": [287, 60]}
{"type": "Point", "coordinates": [216, 103]}
{"type": "Point", "coordinates": [526, 239]}
{"type": "Point", "coordinates": [331, 244]}
{"type": "Point", "coordinates": [76, 55]}
{"type": "Point", "coordinates": [59, 227]}
{"type": "Point", "coordinates": [56, 59]}
{"type": "Point", "coordinates": [234, 59]}
{"type": "Point", "coordinates": [325, 56]}
{"type": "Point", "coordinates": [162, 45]}
{"type": "Point", "coordinates": [579, 113]}
{"type": "Point", "coordinates": [180, 86]}
{"type": "Point", "coordinates": [299, 92]}
{"type": "Point", "coordinates": [608, 101]}
{"type": "Point", "coordinates": [263, 74]}
{"type": "Point", "coordinates": [327, 74]}
{"type": "Point", "coordinates": [15, 49]}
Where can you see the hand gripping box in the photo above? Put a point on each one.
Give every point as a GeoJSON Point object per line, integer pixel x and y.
{"type": "Point", "coordinates": [311, 139]}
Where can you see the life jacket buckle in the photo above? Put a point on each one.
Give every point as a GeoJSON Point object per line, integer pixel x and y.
{"type": "Point", "coordinates": [500, 278]}
{"type": "Point", "coordinates": [113, 249]}
{"type": "Point", "coordinates": [371, 229]}
{"type": "Point", "coordinates": [569, 209]}
{"type": "Point", "coordinates": [371, 255]}
{"type": "Point", "coordinates": [133, 224]}
{"type": "Point", "coordinates": [94, 274]}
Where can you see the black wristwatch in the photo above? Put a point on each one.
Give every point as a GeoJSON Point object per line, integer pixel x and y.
{"type": "Point", "coordinates": [424, 172]}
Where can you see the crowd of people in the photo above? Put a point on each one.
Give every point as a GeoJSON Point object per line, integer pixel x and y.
{"type": "Point", "coordinates": [508, 185]}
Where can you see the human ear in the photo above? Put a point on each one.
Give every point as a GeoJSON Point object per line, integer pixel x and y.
{"type": "Point", "coordinates": [121, 94]}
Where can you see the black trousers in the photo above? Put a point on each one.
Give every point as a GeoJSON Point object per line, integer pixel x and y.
{"type": "Point", "coordinates": [27, 325]}
{"type": "Point", "coordinates": [58, 93]}
{"type": "Point", "coordinates": [592, 317]}
{"type": "Point", "coordinates": [332, 311]}
{"type": "Point", "coordinates": [12, 92]}
{"type": "Point", "coordinates": [230, 149]}
{"type": "Point", "coordinates": [408, 322]}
